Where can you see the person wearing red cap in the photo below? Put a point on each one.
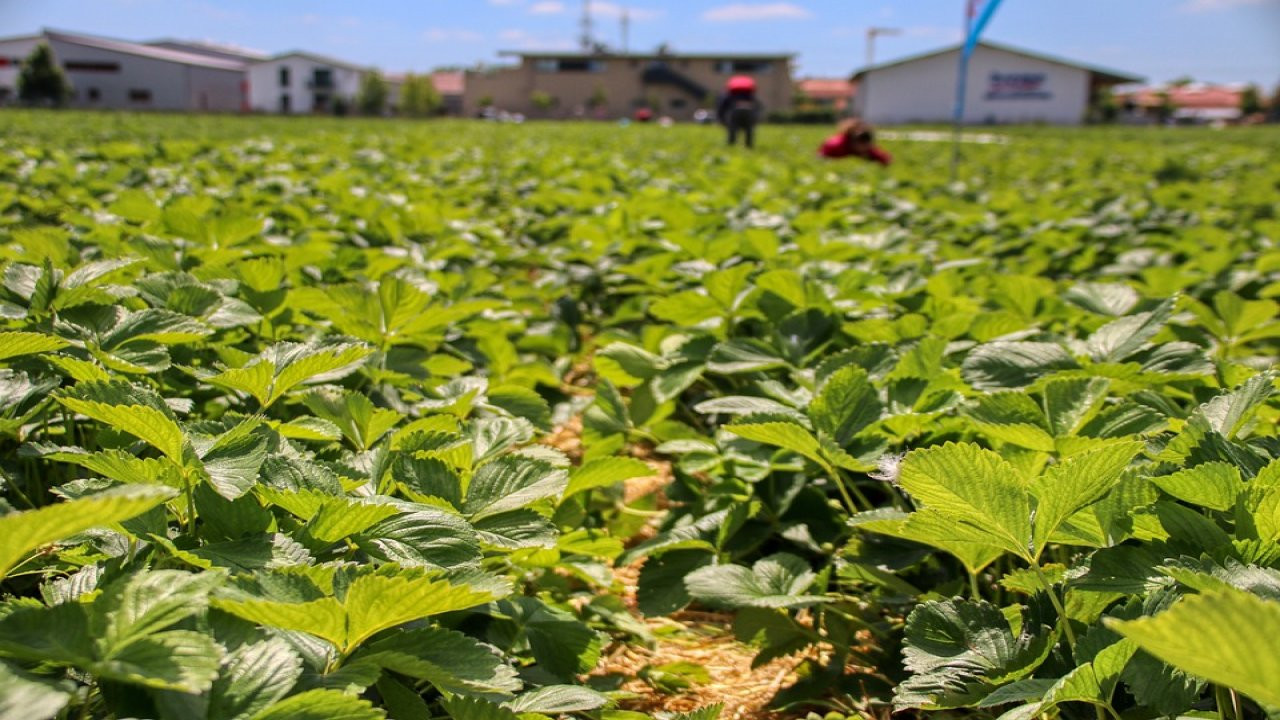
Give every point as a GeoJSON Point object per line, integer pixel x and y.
{"type": "Point", "coordinates": [739, 109]}
{"type": "Point", "coordinates": [854, 138]}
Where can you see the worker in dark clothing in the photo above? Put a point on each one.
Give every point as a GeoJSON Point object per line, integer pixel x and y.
{"type": "Point", "coordinates": [739, 109]}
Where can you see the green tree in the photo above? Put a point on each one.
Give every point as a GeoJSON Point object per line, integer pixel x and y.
{"type": "Point", "coordinates": [1166, 108]}
{"type": "Point", "coordinates": [41, 81]}
{"type": "Point", "coordinates": [543, 101]}
{"type": "Point", "coordinates": [1250, 100]}
{"type": "Point", "coordinates": [598, 98]}
{"type": "Point", "coordinates": [418, 96]}
{"type": "Point", "coordinates": [1273, 114]}
{"type": "Point", "coordinates": [1105, 108]}
{"type": "Point", "coordinates": [373, 94]}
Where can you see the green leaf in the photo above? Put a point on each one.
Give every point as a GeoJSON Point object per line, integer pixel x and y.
{"type": "Point", "coordinates": [22, 532]}
{"type": "Point", "coordinates": [743, 356]}
{"type": "Point", "coordinates": [182, 660]}
{"type": "Point", "coordinates": [375, 602]}
{"type": "Point", "coordinates": [786, 435]}
{"type": "Point", "coordinates": [324, 618]}
{"type": "Point", "coordinates": [512, 482]}
{"type": "Point", "coordinates": [148, 424]}
{"type": "Point", "coordinates": [464, 708]}
{"type": "Point", "coordinates": [958, 651]}
{"type": "Point", "coordinates": [661, 589]}
{"type": "Point", "coordinates": [451, 661]}
{"type": "Point", "coordinates": [521, 402]}
{"type": "Point", "coordinates": [972, 547]}
{"type": "Point", "coordinates": [354, 414]}
{"type": "Point", "coordinates": [605, 472]}
{"type": "Point", "coordinates": [15, 343]}
{"type": "Point", "coordinates": [777, 581]}
{"type": "Point", "coordinates": [1004, 364]}
{"type": "Point", "coordinates": [1228, 413]}
{"type": "Point", "coordinates": [710, 712]}
{"type": "Point", "coordinates": [845, 404]}
{"type": "Point", "coordinates": [1214, 485]}
{"type": "Point", "coordinates": [423, 538]}
{"type": "Point", "coordinates": [637, 362]}
{"type": "Point", "coordinates": [1069, 403]}
{"type": "Point", "coordinates": [253, 677]}
{"type": "Point", "coordinates": [974, 489]}
{"type": "Point", "coordinates": [1124, 336]}
{"type": "Point", "coordinates": [144, 603]}
{"type": "Point", "coordinates": [1081, 480]}
{"type": "Point", "coordinates": [321, 705]}
{"type": "Point", "coordinates": [284, 366]}
{"type": "Point", "coordinates": [555, 699]}
{"type": "Point", "coordinates": [1225, 636]}
{"type": "Point", "coordinates": [686, 308]}
{"type": "Point", "coordinates": [31, 697]}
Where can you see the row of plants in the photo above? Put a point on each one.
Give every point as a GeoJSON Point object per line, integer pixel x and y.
{"type": "Point", "coordinates": [281, 404]}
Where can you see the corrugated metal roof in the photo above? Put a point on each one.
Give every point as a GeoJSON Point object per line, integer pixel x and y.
{"type": "Point", "coordinates": [155, 53]}
{"type": "Point", "coordinates": [647, 56]}
{"type": "Point", "coordinates": [200, 47]}
{"type": "Point", "coordinates": [1114, 76]}
{"type": "Point", "coordinates": [314, 57]}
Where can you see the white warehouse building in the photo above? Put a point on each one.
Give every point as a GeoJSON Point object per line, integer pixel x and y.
{"type": "Point", "coordinates": [1005, 85]}
{"type": "Point", "coordinates": [120, 75]}
{"type": "Point", "coordinates": [301, 83]}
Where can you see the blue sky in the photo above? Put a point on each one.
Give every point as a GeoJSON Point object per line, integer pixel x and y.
{"type": "Point", "coordinates": [1215, 40]}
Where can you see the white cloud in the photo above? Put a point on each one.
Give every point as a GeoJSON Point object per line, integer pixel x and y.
{"type": "Point", "coordinates": [547, 7]}
{"type": "Point", "coordinates": [1201, 6]}
{"type": "Point", "coordinates": [454, 35]}
{"type": "Point", "coordinates": [740, 12]}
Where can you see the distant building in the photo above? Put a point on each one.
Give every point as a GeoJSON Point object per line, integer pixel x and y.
{"type": "Point", "coordinates": [834, 94]}
{"type": "Point", "coordinates": [121, 75]}
{"type": "Point", "coordinates": [302, 83]}
{"type": "Point", "coordinates": [1005, 85]}
{"type": "Point", "coordinates": [611, 85]}
{"type": "Point", "coordinates": [451, 85]}
{"type": "Point", "coordinates": [210, 49]}
{"type": "Point", "coordinates": [1192, 104]}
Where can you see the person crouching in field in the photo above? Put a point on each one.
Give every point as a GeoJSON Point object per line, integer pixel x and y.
{"type": "Point", "coordinates": [739, 109]}
{"type": "Point", "coordinates": [854, 138]}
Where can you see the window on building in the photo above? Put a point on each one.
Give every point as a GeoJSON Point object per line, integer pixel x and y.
{"type": "Point", "coordinates": [322, 79]}
{"type": "Point", "coordinates": [567, 65]}
{"type": "Point", "coordinates": [139, 95]}
{"type": "Point", "coordinates": [94, 94]}
{"type": "Point", "coordinates": [284, 103]}
{"type": "Point", "coordinates": [91, 66]}
{"type": "Point", "coordinates": [284, 77]}
{"type": "Point", "coordinates": [749, 67]}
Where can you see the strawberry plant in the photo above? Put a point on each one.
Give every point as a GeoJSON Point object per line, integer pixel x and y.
{"type": "Point", "coordinates": [362, 419]}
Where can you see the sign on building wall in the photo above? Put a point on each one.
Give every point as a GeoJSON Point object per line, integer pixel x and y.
{"type": "Point", "coordinates": [1017, 86]}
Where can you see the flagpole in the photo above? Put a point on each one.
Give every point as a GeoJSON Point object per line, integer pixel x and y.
{"type": "Point", "coordinates": [962, 77]}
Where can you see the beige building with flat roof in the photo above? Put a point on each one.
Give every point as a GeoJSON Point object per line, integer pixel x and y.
{"type": "Point", "coordinates": [612, 85]}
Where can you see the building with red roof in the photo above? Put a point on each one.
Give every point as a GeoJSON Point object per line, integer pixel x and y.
{"type": "Point", "coordinates": [1190, 103]}
{"type": "Point", "coordinates": [826, 93]}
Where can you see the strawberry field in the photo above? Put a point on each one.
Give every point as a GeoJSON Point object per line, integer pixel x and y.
{"type": "Point", "coordinates": [357, 419]}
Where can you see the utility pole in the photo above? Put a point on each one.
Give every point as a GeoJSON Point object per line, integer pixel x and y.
{"type": "Point", "coordinates": [626, 31]}
{"type": "Point", "coordinates": [586, 40]}
{"type": "Point", "coordinates": [872, 33]}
